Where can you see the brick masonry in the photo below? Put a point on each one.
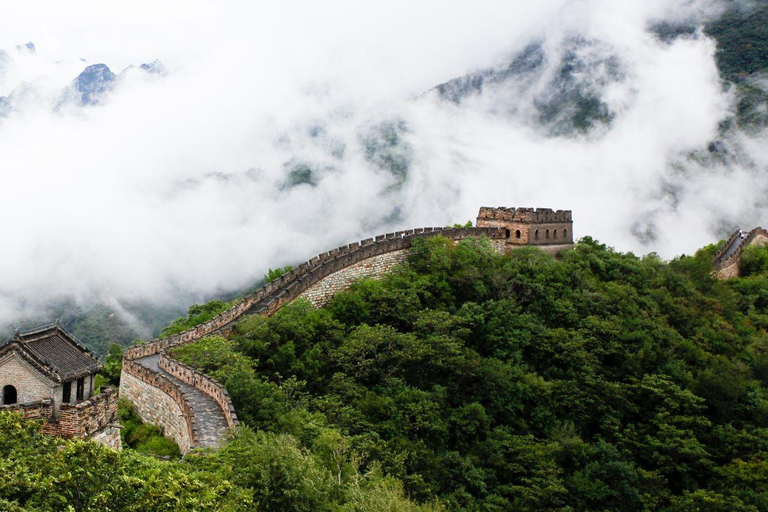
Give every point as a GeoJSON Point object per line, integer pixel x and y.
{"type": "Point", "coordinates": [30, 385]}
{"type": "Point", "coordinates": [94, 418]}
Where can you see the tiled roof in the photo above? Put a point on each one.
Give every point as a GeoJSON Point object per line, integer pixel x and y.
{"type": "Point", "coordinates": [57, 352]}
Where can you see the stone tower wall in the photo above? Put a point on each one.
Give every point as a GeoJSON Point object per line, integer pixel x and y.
{"type": "Point", "coordinates": [528, 226]}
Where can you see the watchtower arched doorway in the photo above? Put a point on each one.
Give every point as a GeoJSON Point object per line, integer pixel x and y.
{"type": "Point", "coordinates": [9, 395]}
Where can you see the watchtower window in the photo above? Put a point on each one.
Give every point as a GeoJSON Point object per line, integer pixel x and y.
{"type": "Point", "coordinates": [565, 234]}
{"type": "Point", "coordinates": [518, 234]}
{"type": "Point", "coordinates": [9, 395]}
{"type": "Point", "coordinates": [547, 234]}
{"type": "Point", "coordinates": [66, 395]}
{"type": "Point", "coordinates": [507, 233]}
{"type": "Point", "coordinates": [80, 388]}
{"type": "Point", "coordinates": [554, 234]}
{"type": "Point", "coordinates": [536, 234]}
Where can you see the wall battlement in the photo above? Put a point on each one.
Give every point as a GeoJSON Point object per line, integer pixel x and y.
{"type": "Point", "coordinates": [528, 215]}
{"type": "Point", "coordinates": [528, 226]}
{"type": "Point", "coordinates": [94, 418]}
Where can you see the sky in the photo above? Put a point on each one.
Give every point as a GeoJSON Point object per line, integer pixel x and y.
{"type": "Point", "coordinates": [172, 189]}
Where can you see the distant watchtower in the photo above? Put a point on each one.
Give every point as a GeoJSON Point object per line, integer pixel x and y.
{"type": "Point", "coordinates": [550, 229]}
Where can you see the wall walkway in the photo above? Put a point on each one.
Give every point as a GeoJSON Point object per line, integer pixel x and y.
{"type": "Point", "coordinates": [728, 259]}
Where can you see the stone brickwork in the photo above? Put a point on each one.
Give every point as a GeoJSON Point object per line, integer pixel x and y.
{"type": "Point", "coordinates": [30, 385]}
{"type": "Point", "coordinates": [95, 418]}
{"type": "Point", "coordinates": [109, 437]}
{"type": "Point", "coordinates": [160, 403]}
{"type": "Point", "coordinates": [727, 260]}
{"type": "Point", "coordinates": [40, 410]}
{"type": "Point", "coordinates": [528, 226]}
{"type": "Point", "coordinates": [322, 292]}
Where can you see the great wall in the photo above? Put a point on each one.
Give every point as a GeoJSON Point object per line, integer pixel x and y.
{"type": "Point", "coordinates": [727, 260]}
{"type": "Point", "coordinates": [196, 410]}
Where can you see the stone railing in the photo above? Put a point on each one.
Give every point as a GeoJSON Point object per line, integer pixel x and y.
{"type": "Point", "coordinates": [202, 382]}
{"type": "Point", "coordinates": [734, 236]}
{"type": "Point", "coordinates": [266, 301]}
{"type": "Point", "coordinates": [37, 410]}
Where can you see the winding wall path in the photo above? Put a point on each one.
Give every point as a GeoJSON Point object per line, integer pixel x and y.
{"type": "Point", "coordinates": [727, 260]}
{"type": "Point", "coordinates": [181, 400]}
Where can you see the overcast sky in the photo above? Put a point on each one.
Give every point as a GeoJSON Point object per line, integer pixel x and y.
{"type": "Point", "coordinates": [172, 188]}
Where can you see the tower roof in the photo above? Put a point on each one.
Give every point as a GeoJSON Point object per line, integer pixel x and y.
{"type": "Point", "coordinates": [53, 351]}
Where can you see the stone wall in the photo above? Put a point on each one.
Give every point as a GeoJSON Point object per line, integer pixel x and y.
{"type": "Point", "coordinates": [30, 386]}
{"type": "Point", "coordinates": [727, 267]}
{"type": "Point", "coordinates": [269, 298]}
{"type": "Point", "coordinates": [160, 402]}
{"type": "Point", "coordinates": [94, 418]}
{"type": "Point", "coordinates": [39, 410]}
{"type": "Point", "coordinates": [109, 437]}
{"type": "Point", "coordinates": [321, 293]}
{"type": "Point", "coordinates": [202, 382]}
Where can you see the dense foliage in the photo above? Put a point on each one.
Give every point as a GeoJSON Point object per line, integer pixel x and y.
{"type": "Point", "coordinates": [46, 473]}
{"type": "Point", "coordinates": [144, 437]}
{"type": "Point", "coordinates": [253, 471]}
{"type": "Point", "coordinates": [276, 273]}
{"type": "Point", "coordinates": [198, 314]}
{"type": "Point", "coordinates": [599, 381]}
{"type": "Point", "coordinates": [742, 40]}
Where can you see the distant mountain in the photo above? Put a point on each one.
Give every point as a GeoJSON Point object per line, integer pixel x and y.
{"type": "Point", "coordinates": [26, 48]}
{"type": "Point", "coordinates": [88, 88]}
{"type": "Point", "coordinates": [742, 55]}
{"type": "Point", "coordinates": [155, 67]}
{"type": "Point", "coordinates": [563, 89]}
{"type": "Point", "coordinates": [93, 82]}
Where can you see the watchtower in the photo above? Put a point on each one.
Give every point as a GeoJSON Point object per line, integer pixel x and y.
{"type": "Point", "coordinates": [550, 229]}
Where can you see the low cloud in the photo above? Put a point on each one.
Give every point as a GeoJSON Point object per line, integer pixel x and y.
{"type": "Point", "coordinates": [280, 133]}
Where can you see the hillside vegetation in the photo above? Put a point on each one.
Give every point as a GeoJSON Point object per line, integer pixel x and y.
{"type": "Point", "coordinates": [599, 381]}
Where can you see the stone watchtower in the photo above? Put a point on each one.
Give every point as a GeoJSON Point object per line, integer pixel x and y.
{"type": "Point", "coordinates": [551, 230]}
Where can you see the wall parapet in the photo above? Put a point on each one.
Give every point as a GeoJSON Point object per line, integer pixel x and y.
{"type": "Point", "coordinates": [84, 419]}
{"type": "Point", "coordinates": [530, 215]}
{"type": "Point", "coordinates": [159, 381]}
{"type": "Point", "coordinates": [200, 381]}
{"type": "Point", "coordinates": [303, 276]}
{"type": "Point", "coordinates": [721, 262]}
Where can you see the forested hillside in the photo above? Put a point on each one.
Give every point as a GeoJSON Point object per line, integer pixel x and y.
{"type": "Point", "coordinates": [466, 380]}
{"type": "Point", "coordinates": [599, 381]}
